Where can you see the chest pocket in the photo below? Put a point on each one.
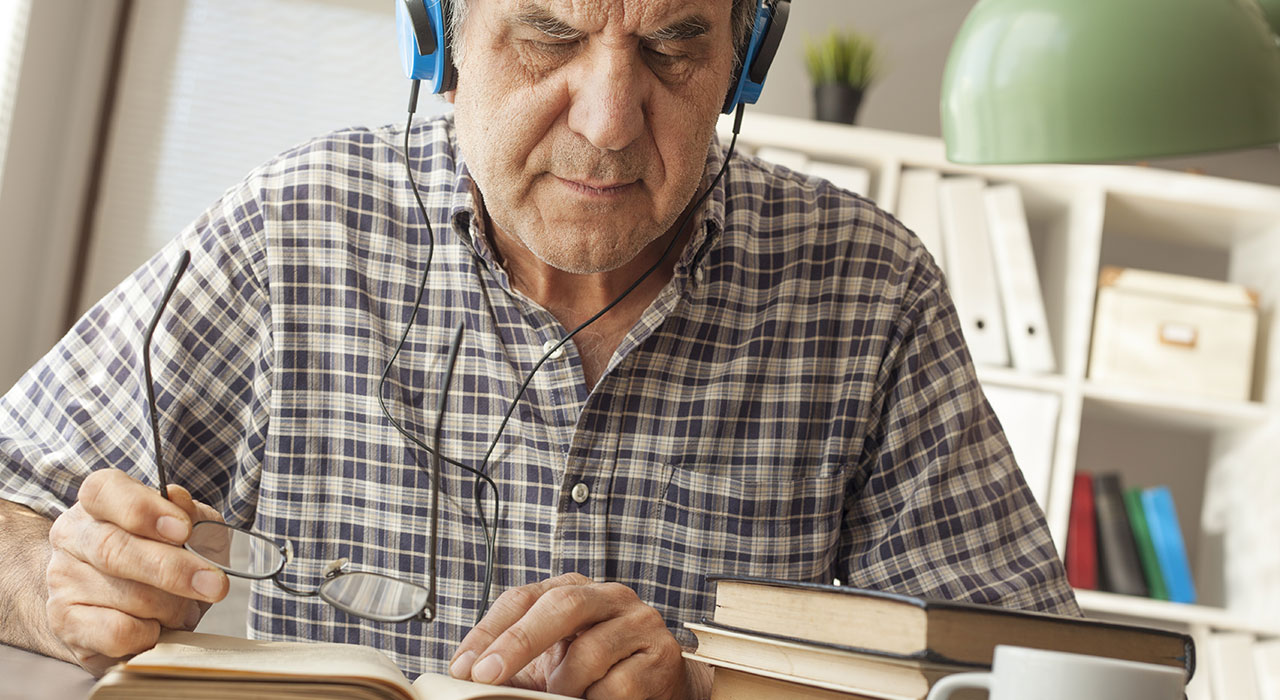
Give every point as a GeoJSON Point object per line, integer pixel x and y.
{"type": "Point", "coordinates": [713, 524]}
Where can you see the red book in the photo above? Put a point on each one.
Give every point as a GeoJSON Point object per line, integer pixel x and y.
{"type": "Point", "coordinates": [1082, 535]}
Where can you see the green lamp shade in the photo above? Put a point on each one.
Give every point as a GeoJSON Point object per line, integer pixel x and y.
{"type": "Point", "coordinates": [1271, 8]}
{"type": "Point", "coordinates": [1069, 81]}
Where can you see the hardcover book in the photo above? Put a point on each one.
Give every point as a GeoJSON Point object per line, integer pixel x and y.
{"type": "Point", "coordinates": [1082, 535]}
{"type": "Point", "coordinates": [820, 664]}
{"type": "Point", "coordinates": [1166, 539]}
{"type": "Point", "coordinates": [1119, 570]}
{"type": "Point", "coordinates": [1142, 541]}
{"type": "Point", "coordinates": [926, 629]}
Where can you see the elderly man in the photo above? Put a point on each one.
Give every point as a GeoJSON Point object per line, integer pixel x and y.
{"type": "Point", "coordinates": [786, 392]}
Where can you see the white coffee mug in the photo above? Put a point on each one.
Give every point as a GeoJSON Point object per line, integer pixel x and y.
{"type": "Point", "coordinates": [1019, 673]}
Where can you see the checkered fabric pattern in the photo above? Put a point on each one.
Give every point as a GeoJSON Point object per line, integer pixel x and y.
{"type": "Point", "coordinates": [796, 403]}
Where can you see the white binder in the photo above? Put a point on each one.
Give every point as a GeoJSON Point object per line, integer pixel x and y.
{"type": "Point", "coordinates": [787, 158]}
{"type": "Point", "coordinates": [1024, 315]}
{"type": "Point", "coordinates": [850, 177]}
{"type": "Point", "coordinates": [971, 270]}
{"type": "Point", "coordinates": [918, 209]}
{"type": "Point", "coordinates": [1030, 420]}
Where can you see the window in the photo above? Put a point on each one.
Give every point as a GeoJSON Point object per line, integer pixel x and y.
{"type": "Point", "coordinates": [13, 31]}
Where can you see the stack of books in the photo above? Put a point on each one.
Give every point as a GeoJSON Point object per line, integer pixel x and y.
{"type": "Point", "coordinates": [772, 639]}
{"type": "Point", "coordinates": [1126, 540]}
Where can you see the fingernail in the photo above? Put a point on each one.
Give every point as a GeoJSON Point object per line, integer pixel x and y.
{"type": "Point", "coordinates": [488, 670]}
{"type": "Point", "coordinates": [461, 666]}
{"type": "Point", "coordinates": [193, 617]}
{"type": "Point", "coordinates": [207, 583]}
{"type": "Point", "coordinates": [172, 529]}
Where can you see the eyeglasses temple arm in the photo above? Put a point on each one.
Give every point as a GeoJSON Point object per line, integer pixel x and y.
{"type": "Point", "coordinates": [146, 365]}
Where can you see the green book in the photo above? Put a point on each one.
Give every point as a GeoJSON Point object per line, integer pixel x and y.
{"type": "Point", "coordinates": [1142, 539]}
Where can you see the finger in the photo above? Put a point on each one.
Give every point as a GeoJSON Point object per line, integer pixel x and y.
{"type": "Point", "coordinates": [113, 496]}
{"type": "Point", "coordinates": [115, 552]}
{"type": "Point", "coordinates": [559, 613]}
{"type": "Point", "coordinates": [506, 610]}
{"type": "Point", "coordinates": [194, 509]}
{"type": "Point", "coordinates": [595, 652]}
{"type": "Point", "coordinates": [73, 582]}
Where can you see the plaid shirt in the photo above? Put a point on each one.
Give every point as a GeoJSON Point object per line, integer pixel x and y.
{"type": "Point", "coordinates": [797, 402]}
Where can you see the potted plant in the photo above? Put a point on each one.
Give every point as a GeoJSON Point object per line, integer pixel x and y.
{"type": "Point", "coordinates": [842, 65]}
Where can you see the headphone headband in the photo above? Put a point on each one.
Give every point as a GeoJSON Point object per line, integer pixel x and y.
{"type": "Point", "coordinates": [426, 54]}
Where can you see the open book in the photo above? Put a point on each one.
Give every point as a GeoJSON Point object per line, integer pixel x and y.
{"type": "Point", "coordinates": [193, 666]}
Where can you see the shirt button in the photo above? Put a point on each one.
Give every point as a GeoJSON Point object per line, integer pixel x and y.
{"type": "Point", "coordinates": [580, 493]}
{"type": "Point", "coordinates": [547, 346]}
{"type": "Point", "coordinates": [698, 275]}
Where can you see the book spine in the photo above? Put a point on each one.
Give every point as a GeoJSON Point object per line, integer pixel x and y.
{"type": "Point", "coordinates": [1119, 570]}
{"type": "Point", "coordinates": [1082, 540]}
{"type": "Point", "coordinates": [1142, 543]}
{"type": "Point", "coordinates": [1166, 538]}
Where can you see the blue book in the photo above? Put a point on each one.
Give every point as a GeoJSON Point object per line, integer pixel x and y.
{"type": "Point", "coordinates": [1166, 539]}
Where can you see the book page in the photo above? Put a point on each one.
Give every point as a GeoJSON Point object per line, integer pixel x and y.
{"type": "Point", "coordinates": [209, 656]}
{"type": "Point", "coordinates": [431, 686]}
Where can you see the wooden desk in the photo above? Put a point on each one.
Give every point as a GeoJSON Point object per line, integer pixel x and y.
{"type": "Point", "coordinates": [28, 676]}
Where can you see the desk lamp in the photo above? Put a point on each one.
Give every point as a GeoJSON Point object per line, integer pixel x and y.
{"type": "Point", "coordinates": [1070, 81]}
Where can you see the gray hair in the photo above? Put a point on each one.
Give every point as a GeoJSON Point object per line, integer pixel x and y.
{"type": "Point", "coordinates": [743, 18]}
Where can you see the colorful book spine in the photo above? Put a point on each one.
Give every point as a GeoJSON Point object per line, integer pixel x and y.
{"type": "Point", "coordinates": [1166, 539]}
{"type": "Point", "coordinates": [1119, 570]}
{"type": "Point", "coordinates": [1082, 536]}
{"type": "Point", "coordinates": [1142, 542]}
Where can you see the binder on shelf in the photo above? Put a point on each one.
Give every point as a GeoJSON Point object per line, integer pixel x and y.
{"type": "Point", "coordinates": [851, 177]}
{"type": "Point", "coordinates": [1082, 539]}
{"type": "Point", "coordinates": [1166, 539]}
{"type": "Point", "coordinates": [1156, 587]}
{"type": "Point", "coordinates": [971, 270]}
{"type": "Point", "coordinates": [787, 158]}
{"type": "Point", "coordinates": [1119, 569]}
{"type": "Point", "coordinates": [918, 210]}
{"type": "Point", "coordinates": [1019, 281]}
{"type": "Point", "coordinates": [1231, 666]}
{"type": "Point", "coordinates": [1266, 660]}
{"type": "Point", "coordinates": [1030, 421]}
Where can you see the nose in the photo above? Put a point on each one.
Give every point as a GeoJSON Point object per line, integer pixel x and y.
{"type": "Point", "coordinates": [608, 99]}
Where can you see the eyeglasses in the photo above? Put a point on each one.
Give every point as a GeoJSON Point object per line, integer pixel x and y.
{"type": "Point", "coordinates": [362, 593]}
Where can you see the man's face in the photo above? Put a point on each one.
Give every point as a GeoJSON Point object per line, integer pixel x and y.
{"type": "Point", "coordinates": [585, 123]}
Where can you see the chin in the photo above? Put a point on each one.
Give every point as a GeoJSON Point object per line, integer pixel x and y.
{"type": "Point", "coordinates": [588, 257]}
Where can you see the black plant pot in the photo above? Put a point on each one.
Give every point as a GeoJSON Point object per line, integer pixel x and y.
{"type": "Point", "coordinates": [836, 102]}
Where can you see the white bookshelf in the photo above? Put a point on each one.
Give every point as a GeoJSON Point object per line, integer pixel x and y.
{"type": "Point", "coordinates": [1084, 217]}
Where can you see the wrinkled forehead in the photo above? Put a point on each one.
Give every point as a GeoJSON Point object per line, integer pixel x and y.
{"type": "Point", "coordinates": [635, 17]}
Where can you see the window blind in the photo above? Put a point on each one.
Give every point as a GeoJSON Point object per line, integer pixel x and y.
{"type": "Point", "coordinates": [212, 88]}
{"type": "Point", "coordinates": [13, 32]}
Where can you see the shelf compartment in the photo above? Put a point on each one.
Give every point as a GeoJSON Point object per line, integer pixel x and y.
{"type": "Point", "coordinates": [1101, 604]}
{"type": "Point", "coordinates": [1172, 410]}
{"type": "Point", "coordinates": [1015, 379]}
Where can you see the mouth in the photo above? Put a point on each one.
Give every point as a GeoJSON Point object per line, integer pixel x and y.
{"type": "Point", "coordinates": [596, 188]}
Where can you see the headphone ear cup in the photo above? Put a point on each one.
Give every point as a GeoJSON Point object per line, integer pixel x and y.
{"type": "Point", "coordinates": [754, 62]}
{"type": "Point", "coordinates": [422, 28]}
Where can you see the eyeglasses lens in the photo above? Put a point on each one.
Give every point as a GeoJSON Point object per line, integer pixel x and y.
{"type": "Point", "coordinates": [374, 596]}
{"type": "Point", "coordinates": [215, 542]}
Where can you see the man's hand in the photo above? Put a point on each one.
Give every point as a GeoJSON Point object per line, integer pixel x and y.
{"type": "Point", "coordinates": [117, 573]}
{"type": "Point", "coordinates": [573, 636]}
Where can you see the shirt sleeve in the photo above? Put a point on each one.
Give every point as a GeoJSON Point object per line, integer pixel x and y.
{"type": "Point", "coordinates": [939, 507]}
{"type": "Point", "coordinates": [83, 406]}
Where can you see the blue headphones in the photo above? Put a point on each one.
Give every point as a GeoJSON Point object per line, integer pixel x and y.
{"type": "Point", "coordinates": [425, 54]}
